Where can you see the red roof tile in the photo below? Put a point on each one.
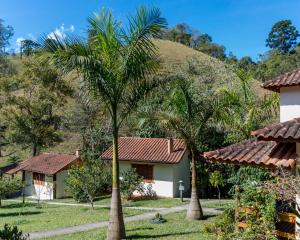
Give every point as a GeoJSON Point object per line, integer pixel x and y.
{"type": "Point", "coordinates": [147, 150]}
{"type": "Point", "coordinates": [285, 131]}
{"type": "Point", "coordinates": [46, 163]}
{"type": "Point", "coordinates": [285, 80]}
{"type": "Point", "coordinates": [270, 154]}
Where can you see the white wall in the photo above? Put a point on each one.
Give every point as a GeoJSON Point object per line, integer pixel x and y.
{"type": "Point", "coordinates": [42, 192]}
{"type": "Point", "coordinates": [165, 176]}
{"type": "Point", "coordinates": [289, 103]}
{"type": "Point", "coordinates": [182, 172]}
{"type": "Point", "coordinates": [60, 184]}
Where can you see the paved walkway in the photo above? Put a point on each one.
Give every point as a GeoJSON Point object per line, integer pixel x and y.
{"type": "Point", "coordinates": [91, 226]}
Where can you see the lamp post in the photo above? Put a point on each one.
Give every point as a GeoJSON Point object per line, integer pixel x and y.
{"type": "Point", "coordinates": [181, 189]}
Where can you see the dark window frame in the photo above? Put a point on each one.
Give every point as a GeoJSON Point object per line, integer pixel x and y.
{"type": "Point", "coordinates": [145, 170]}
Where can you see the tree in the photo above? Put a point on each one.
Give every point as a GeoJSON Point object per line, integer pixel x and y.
{"type": "Point", "coordinates": [216, 180]}
{"type": "Point", "coordinates": [180, 33]}
{"type": "Point", "coordinates": [189, 112]}
{"type": "Point", "coordinates": [6, 33]}
{"type": "Point", "coordinates": [118, 65]}
{"type": "Point", "coordinates": [9, 186]}
{"type": "Point", "coordinates": [28, 47]}
{"type": "Point", "coordinates": [31, 106]}
{"type": "Point", "coordinates": [283, 36]}
{"type": "Point", "coordinates": [89, 181]}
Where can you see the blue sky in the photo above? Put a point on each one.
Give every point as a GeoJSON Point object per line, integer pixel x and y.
{"type": "Point", "coordinates": [241, 25]}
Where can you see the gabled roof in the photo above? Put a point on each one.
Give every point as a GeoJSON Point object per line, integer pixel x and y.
{"type": "Point", "coordinates": [285, 131]}
{"type": "Point", "coordinates": [285, 80]}
{"type": "Point", "coordinates": [149, 150]}
{"type": "Point", "coordinates": [270, 154]}
{"type": "Point", "coordinates": [46, 163]}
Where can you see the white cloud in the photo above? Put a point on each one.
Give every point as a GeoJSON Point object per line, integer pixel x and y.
{"type": "Point", "coordinates": [61, 31]}
{"type": "Point", "coordinates": [19, 40]}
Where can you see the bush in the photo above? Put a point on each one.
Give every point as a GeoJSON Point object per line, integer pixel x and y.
{"type": "Point", "coordinates": [130, 182]}
{"type": "Point", "coordinates": [12, 233]}
{"type": "Point", "coordinates": [223, 226]}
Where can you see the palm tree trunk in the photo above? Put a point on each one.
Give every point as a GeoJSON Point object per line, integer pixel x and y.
{"type": "Point", "coordinates": [194, 210]}
{"type": "Point", "coordinates": [116, 228]}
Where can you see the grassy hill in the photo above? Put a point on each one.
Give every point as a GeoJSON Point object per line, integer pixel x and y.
{"type": "Point", "coordinates": [174, 58]}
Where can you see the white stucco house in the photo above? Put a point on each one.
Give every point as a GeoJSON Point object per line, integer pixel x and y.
{"type": "Point", "coordinates": [44, 175]}
{"type": "Point", "coordinates": [161, 162]}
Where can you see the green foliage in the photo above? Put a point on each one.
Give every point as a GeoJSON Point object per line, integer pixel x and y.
{"type": "Point", "coordinates": [130, 182]}
{"type": "Point", "coordinates": [28, 47]}
{"type": "Point", "coordinates": [261, 225]}
{"type": "Point", "coordinates": [183, 34]}
{"type": "Point", "coordinates": [224, 225]}
{"type": "Point", "coordinates": [6, 33]}
{"type": "Point", "coordinates": [12, 233]}
{"type": "Point", "coordinates": [90, 180]}
{"type": "Point", "coordinates": [249, 174]}
{"type": "Point", "coordinates": [32, 105]}
{"type": "Point", "coordinates": [9, 186]}
{"type": "Point", "coordinates": [216, 180]}
{"type": "Point", "coordinates": [283, 36]}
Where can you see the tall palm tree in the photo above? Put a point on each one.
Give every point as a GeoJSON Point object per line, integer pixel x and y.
{"type": "Point", "coordinates": [190, 112]}
{"type": "Point", "coordinates": [118, 64]}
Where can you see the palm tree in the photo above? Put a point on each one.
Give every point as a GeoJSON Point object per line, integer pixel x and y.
{"type": "Point", "coordinates": [118, 65]}
{"type": "Point", "coordinates": [190, 113]}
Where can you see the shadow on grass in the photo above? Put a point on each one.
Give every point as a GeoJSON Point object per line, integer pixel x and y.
{"type": "Point", "coordinates": [16, 214]}
{"type": "Point", "coordinates": [140, 228]}
{"type": "Point", "coordinates": [206, 217]}
{"type": "Point", "coordinates": [17, 205]}
{"type": "Point", "coordinates": [138, 236]}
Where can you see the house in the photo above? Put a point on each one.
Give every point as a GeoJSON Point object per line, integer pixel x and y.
{"type": "Point", "coordinates": [44, 175]}
{"type": "Point", "coordinates": [276, 145]}
{"type": "Point", "coordinates": [161, 162]}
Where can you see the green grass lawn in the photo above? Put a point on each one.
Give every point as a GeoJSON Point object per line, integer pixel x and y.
{"type": "Point", "coordinates": [28, 218]}
{"type": "Point", "coordinates": [157, 203]}
{"type": "Point", "coordinates": [176, 227]}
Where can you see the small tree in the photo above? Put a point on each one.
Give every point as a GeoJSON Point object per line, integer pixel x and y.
{"type": "Point", "coordinates": [9, 186]}
{"type": "Point", "coordinates": [130, 182]}
{"type": "Point", "coordinates": [216, 180]}
{"type": "Point", "coordinates": [89, 181]}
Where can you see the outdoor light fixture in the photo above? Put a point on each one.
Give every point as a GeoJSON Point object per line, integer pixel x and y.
{"type": "Point", "coordinates": [181, 189]}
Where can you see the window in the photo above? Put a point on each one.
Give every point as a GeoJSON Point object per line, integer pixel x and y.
{"type": "Point", "coordinates": [38, 178]}
{"type": "Point", "coordinates": [145, 171]}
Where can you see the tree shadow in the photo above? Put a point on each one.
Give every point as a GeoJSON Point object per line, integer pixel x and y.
{"type": "Point", "coordinates": [138, 236]}
{"type": "Point", "coordinates": [15, 214]}
{"type": "Point", "coordinates": [140, 228]}
{"type": "Point", "coordinates": [17, 205]}
{"type": "Point", "coordinates": [205, 217]}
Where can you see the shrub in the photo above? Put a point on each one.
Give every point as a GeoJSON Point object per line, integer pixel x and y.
{"type": "Point", "coordinates": [12, 233]}
{"type": "Point", "coordinates": [130, 182]}
{"type": "Point", "coordinates": [223, 226]}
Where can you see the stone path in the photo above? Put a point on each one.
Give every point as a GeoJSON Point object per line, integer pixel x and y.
{"type": "Point", "coordinates": [91, 226]}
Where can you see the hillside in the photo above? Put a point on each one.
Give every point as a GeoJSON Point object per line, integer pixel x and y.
{"type": "Point", "coordinates": [174, 57]}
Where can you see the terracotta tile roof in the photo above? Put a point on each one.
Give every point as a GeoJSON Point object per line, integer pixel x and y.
{"type": "Point", "coordinates": [270, 154]}
{"type": "Point", "coordinates": [153, 150]}
{"type": "Point", "coordinates": [46, 163]}
{"type": "Point", "coordinates": [285, 80]}
{"type": "Point", "coordinates": [285, 131]}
